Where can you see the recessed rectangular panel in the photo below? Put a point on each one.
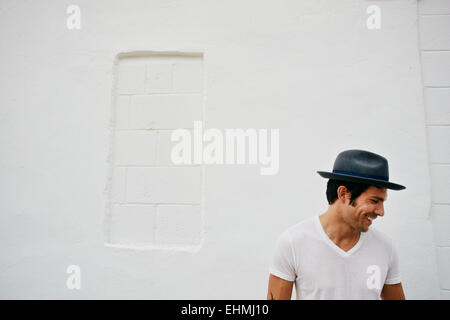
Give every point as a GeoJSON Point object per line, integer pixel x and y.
{"type": "Point", "coordinates": [153, 203]}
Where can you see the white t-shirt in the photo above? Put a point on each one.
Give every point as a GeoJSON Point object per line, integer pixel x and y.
{"type": "Point", "coordinates": [321, 270]}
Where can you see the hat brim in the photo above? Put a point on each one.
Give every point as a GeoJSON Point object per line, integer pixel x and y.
{"type": "Point", "coordinates": [373, 182]}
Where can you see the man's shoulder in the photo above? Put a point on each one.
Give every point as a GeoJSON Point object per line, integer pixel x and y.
{"type": "Point", "coordinates": [301, 228]}
{"type": "Point", "coordinates": [380, 237]}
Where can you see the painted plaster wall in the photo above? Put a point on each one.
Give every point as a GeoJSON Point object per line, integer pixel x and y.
{"type": "Point", "coordinates": [312, 69]}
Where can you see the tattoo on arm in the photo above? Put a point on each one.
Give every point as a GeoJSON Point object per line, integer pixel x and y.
{"type": "Point", "coordinates": [271, 296]}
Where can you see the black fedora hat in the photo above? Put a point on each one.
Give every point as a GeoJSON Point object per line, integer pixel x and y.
{"type": "Point", "coordinates": [363, 167]}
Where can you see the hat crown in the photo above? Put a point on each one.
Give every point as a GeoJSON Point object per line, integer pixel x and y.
{"type": "Point", "coordinates": [362, 163]}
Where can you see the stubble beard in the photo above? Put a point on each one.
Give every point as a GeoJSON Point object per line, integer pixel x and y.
{"type": "Point", "coordinates": [359, 226]}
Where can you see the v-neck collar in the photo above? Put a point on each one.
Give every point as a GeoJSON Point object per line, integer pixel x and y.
{"type": "Point", "coordinates": [333, 245]}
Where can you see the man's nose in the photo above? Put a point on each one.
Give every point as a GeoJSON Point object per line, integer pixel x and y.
{"type": "Point", "coordinates": [380, 210]}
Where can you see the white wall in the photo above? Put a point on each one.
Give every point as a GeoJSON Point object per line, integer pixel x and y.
{"type": "Point", "coordinates": [310, 68]}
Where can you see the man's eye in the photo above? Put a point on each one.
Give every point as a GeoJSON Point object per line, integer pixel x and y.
{"type": "Point", "coordinates": [375, 201]}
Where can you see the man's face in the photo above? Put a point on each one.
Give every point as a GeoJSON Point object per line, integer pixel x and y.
{"type": "Point", "coordinates": [367, 207]}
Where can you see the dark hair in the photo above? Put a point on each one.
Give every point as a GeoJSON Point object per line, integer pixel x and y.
{"type": "Point", "coordinates": [355, 189]}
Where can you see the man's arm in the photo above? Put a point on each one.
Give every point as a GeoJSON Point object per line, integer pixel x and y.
{"type": "Point", "coordinates": [392, 292]}
{"type": "Point", "coordinates": [279, 289]}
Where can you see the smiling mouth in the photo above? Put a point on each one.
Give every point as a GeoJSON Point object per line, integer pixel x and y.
{"type": "Point", "coordinates": [370, 217]}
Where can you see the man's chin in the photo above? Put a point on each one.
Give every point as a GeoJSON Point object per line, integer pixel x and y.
{"type": "Point", "coordinates": [363, 229]}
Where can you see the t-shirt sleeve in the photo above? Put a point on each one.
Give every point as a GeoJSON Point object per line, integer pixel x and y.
{"type": "Point", "coordinates": [393, 274]}
{"type": "Point", "coordinates": [283, 265]}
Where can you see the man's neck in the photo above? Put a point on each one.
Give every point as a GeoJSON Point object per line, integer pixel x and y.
{"type": "Point", "coordinates": [339, 231]}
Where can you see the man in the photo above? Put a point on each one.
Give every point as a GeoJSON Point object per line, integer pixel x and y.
{"type": "Point", "coordinates": [337, 255]}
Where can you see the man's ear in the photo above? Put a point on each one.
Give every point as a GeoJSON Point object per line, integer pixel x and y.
{"type": "Point", "coordinates": [343, 194]}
